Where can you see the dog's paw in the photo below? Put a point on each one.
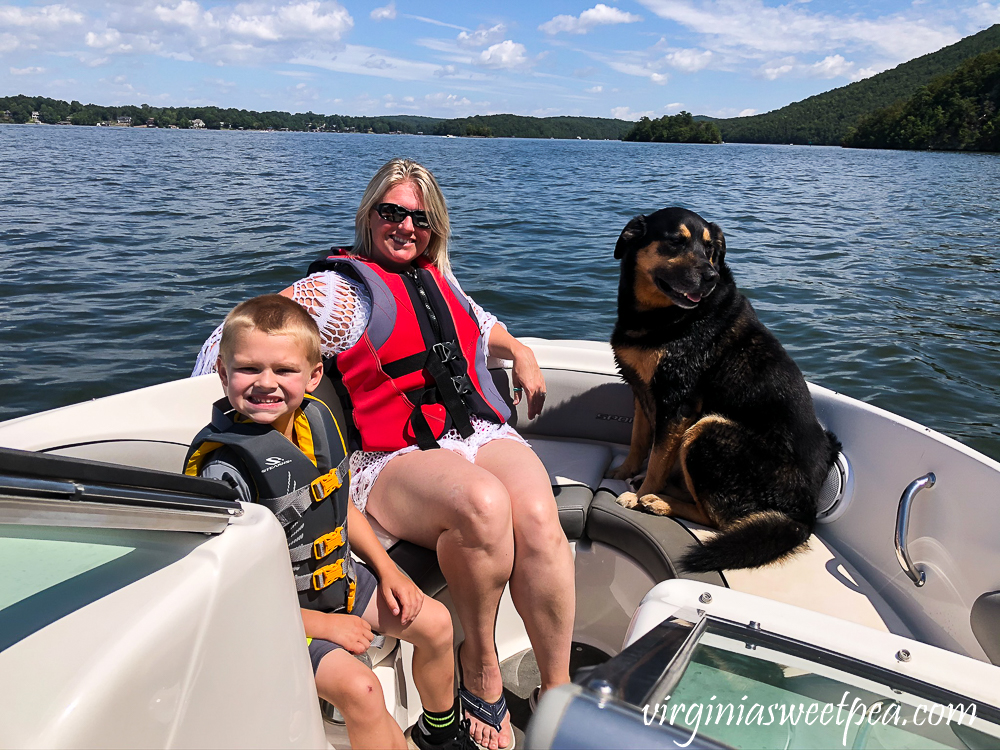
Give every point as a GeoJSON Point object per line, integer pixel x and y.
{"type": "Point", "coordinates": [628, 500]}
{"type": "Point", "coordinates": [654, 504]}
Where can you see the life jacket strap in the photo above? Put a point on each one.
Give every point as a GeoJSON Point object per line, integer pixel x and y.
{"type": "Point", "coordinates": [330, 482]}
{"type": "Point", "coordinates": [328, 543]}
{"type": "Point", "coordinates": [326, 576]}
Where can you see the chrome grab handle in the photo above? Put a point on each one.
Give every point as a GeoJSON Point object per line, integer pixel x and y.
{"type": "Point", "coordinates": [918, 577]}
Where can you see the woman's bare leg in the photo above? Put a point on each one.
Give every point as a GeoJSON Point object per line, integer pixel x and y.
{"type": "Point", "coordinates": [439, 500]}
{"type": "Point", "coordinates": [542, 584]}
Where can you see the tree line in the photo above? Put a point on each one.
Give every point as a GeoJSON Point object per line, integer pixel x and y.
{"type": "Point", "coordinates": [679, 128]}
{"type": "Point", "coordinates": [19, 109]}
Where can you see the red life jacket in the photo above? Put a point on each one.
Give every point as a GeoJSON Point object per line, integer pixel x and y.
{"type": "Point", "coordinates": [419, 368]}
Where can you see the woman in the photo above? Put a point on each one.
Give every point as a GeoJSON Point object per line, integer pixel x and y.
{"type": "Point", "coordinates": [483, 500]}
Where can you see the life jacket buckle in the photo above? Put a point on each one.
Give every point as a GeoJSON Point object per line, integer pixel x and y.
{"type": "Point", "coordinates": [328, 543]}
{"type": "Point", "coordinates": [446, 351]}
{"type": "Point", "coordinates": [323, 486]}
{"type": "Point", "coordinates": [463, 386]}
{"type": "Point", "coordinates": [328, 575]}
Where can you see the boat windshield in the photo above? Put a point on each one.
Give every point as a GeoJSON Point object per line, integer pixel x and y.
{"type": "Point", "coordinates": [750, 689]}
{"type": "Point", "coordinates": [50, 571]}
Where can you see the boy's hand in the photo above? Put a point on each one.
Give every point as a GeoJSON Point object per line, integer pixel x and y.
{"type": "Point", "coordinates": [349, 631]}
{"type": "Point", "coordinates": [402, 595]}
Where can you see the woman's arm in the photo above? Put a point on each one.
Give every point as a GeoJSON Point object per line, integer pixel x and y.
{"type": "Point", "coordinates": [525, 374]}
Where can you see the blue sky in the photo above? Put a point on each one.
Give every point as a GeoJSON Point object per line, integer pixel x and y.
{"type": "Point", "coordinates": [452, 59]}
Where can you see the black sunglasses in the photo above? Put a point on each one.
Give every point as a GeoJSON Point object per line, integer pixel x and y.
{"type": "Point", "coordinates": [392, 212]}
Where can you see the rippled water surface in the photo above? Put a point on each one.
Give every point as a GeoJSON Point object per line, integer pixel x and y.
{"type": "Point", "coordinates": [121, 249]}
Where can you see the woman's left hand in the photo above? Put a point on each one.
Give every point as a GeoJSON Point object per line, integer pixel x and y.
{"type": "Point", "coordinates": [527, 380]}
{"type": "Point", "coordinates": [403, 596]}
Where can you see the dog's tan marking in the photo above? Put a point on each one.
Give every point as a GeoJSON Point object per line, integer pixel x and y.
{"type": "Point", "coordinates": [684, 231]}
{"type": "Point", "coordinates": [706, 235]}
{"type": "Point", "coordinates": [696, 431]}
{"type": "Point", "coordinates": [647, 294]}
{"type": "Point", "coordinates": [642, 438]}
{"type": "Point", "coordinates": [663, 457]}
{"type": "Point", "coordinates": [641, 361]}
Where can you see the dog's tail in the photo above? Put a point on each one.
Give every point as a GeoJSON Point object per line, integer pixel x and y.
{"type": "Point", "coordinates": [757, 539]}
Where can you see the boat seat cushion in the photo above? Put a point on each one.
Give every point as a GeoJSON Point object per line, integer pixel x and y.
{"type": "Point", "coordinates": [576, 469]}
{"type": "Point", "coordinates": [655, 542]}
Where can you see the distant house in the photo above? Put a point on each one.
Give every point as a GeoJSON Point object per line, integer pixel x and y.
{"type": "Point", "coordinates": [125, 122]}
{"type": "Point", "coordinates": [197, 123]}
{"type": "Point", "coordinates": [150, 122]}
{"type": "Point", "coordinates": [35, 117]}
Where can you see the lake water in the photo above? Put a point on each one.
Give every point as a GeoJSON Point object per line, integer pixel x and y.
{"type": "Point", "coordinates": [121, 249]}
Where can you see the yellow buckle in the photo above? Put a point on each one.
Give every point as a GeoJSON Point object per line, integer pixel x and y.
{"type": "Point", "coordinates": [328, 543]}
{"type": "Point", "coordinates": [351, 591]}
{"type": "Point", "coordinates": [327, 575]}
{"type": "Point", "coordinates": [323, 486]}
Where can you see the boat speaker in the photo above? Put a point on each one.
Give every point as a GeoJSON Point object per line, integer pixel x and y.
{"type": "Point", "coordinates": [836, 491]}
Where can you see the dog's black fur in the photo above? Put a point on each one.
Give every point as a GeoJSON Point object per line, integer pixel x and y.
{"type": "Point", "coordinates": [718, 402]}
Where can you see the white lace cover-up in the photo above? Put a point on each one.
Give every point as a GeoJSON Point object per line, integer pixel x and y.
{"type": "Point", "coordinates": [342, 308]}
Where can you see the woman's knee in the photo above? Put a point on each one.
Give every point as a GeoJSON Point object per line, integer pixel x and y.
{"type": "Point", "coordinates": [482, 508]}
{"type": "Point", "coordinates": [537, 528]}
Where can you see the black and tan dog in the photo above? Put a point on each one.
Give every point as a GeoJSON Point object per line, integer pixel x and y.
{"type": "Point", "coordinates": [719, 404]}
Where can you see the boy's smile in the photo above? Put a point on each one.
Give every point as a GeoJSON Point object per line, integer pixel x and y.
{"type": "Point", "coordinates": [267, 377]}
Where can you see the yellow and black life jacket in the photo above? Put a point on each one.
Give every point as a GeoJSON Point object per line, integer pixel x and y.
{"type": "Point", "coordinates": [305, 485]}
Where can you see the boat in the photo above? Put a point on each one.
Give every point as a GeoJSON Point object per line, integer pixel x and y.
{"type": "Point", "coordinates": [151, 609]}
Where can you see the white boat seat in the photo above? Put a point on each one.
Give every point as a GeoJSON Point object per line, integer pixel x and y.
{"type": "Point", "coordinates": [655, 542]}
{"type": "Point", "coordinates": [576, 469]}
{"type": "Point", "coordinates": [817, 578]}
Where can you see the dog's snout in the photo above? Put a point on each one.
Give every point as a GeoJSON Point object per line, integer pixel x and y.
{"type": "Point", "coordinates": [709, 275]}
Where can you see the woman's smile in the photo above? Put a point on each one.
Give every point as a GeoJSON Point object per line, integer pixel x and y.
{"type": "Point", "coordinates": [399, 243]}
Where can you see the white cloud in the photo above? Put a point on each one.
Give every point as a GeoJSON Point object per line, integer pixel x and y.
{"type": "Point", "coordinates": [747, 112]}
{"type": "Point", "coordinates": [386, 13]}
{"type": "Point", "coordinates": [482, 37]}
{"type": "Point", "coordinates": [773, 72]}
{"type": "Point", "coordinates": [46, 18]}
{"type": "Point", "coordinates": [251, 33]}
{"type": "Point", "coordinates": [594, 90]}
{"type": "Point", "coordinates": [30, 71]}
{"type": "Point", "coordinates": [626, 113]}
{"type": "Point", "coordinates": [832, 67]}
{"type": "Point", "coordinates": [985, 14]}
{"type": "Point", "coordinates": [599, 15]}
{"type": "Point", "coordinates": [749, 28]}
{"type": "Point", "coordinates": [689, 60]}
{"type": "Point", "coordinates": [369, 61]}
{"type": "Point", "coordinates": [506, 55]}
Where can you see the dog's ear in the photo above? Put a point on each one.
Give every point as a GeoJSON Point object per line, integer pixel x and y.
{"type": "Point", "coordinates": [634, 230]}
{"type": "Point", "coordinates": [718, 245]}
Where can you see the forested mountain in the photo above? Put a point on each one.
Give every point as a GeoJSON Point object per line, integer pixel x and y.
{"type": "Point", "coordinates": [826, 118]}
{"type": "Point", "coordinates": [957, 111]}
{"type": "Point", "coordinates": [680, 128]}
{"type": "Point", "coordinates": [19, 109]}
{"type": "Point", "coordinates": [517, 126]}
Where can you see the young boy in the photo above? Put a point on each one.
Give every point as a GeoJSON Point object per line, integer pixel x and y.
{"type": "Point", "coordinates": [283, 448]}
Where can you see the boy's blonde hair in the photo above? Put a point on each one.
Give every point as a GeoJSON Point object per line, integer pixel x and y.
{"type": "Point", "coordinates": [395, 172]}
{"type": "Point", "coordinates": [274, 315]}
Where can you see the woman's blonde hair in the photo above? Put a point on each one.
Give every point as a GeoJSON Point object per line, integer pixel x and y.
{"type": "Point", "coordinates": [389, 175]}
